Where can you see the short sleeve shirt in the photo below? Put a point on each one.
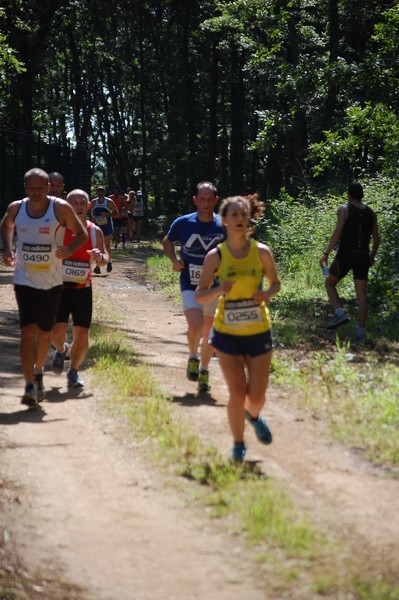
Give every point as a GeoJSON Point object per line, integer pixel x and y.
{"type": "Point", "coordinates": [196, 239]}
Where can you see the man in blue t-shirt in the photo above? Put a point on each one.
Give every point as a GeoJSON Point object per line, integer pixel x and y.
{"type": "Point", "coordinates": [196, 233]}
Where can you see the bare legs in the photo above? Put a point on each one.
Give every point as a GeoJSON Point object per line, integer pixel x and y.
{"type": "Point", "coordinates": [79, 346]}
{"type": "Point", "coordinates": [247, 380]}
{"type": "Point", "coordinates": [199, 326]}
{"type": "Point", "coordinates": [33, 349]}
{"type": "Point", "coordinates": [331, 289]}
{"type": "Point", "coordinates": [360, 289]}
{"type": "Point", "coordinates": [361, 296]}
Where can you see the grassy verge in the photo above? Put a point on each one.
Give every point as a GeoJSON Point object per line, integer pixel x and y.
{"type": "Point", "coordinates": [294, 555]}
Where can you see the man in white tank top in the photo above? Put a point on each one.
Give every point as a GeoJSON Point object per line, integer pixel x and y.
{"type": "Point", "coordinates": [39, 221]}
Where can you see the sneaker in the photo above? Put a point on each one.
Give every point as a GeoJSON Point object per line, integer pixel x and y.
{"type": "Point", "coordinates": [192, 369]}
{"type": "Point", "coordinates": [337, 321]}
{"type": "Point", "coordinates": [38, 383]}
{"type": "Point", "coordinates": [203, 381]}
{"type": "Point", "coordinates": [238, 452]}
{"type": "Point", "coordinates": [97, 270]}
{"type": "Point", "coordinates": [29, 397]}
{"type": "Point", "coordinates": [262, 431]}
{"type": "Point", "coordinates": [360, 337]}
{"type": "Point", "coordinates": [109, 267]}
{"type": "Point", "coordinates": [73, 379]}
{"type": "Point", "coordinates": [59, 360]}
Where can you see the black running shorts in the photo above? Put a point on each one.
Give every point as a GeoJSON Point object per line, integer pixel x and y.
{"type": "Point", "coordinates": [77, 302]}
{"type": "Point", "coordinates": [358, 263]}
{"type": "Point", "coordinates": [37, 307]}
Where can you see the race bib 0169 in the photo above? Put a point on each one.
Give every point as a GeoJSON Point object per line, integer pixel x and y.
{"type": "Point", "coordinates": [75, 270]}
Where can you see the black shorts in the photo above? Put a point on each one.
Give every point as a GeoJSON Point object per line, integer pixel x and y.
{"type": "Point", "coordinates": [137, 218]}
{"type": "Point", "coordinates": [37, 307]}
{"type": "Point", "coordinates": [77, 302]}
{"type": "Point", "coordinates": [241, 345]}
{"type": "Point", "coordinates": [120, 222]}
{"type": "Point", "coordinates": [358, 263]}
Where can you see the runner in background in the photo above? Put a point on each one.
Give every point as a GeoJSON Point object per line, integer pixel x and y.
{"type": "Point", "coordinates": [196, 233]}
{"type": "Point", "coordinates": [76, 298]}
{"type": "Point", "coordinates": [56, 184]}
{"type": "Point", "coordinates": [138, 209]}
{"type": "Point", "coordinates": [130, 197]}
{"type": "Point", "coordinates": [120, 219]}
{"type": "Point", "coordinates": [356, 226]}
{"type": "Point", "coordinates": [101, 211]}
{"type": "Point", "coordinates": [241, 333]}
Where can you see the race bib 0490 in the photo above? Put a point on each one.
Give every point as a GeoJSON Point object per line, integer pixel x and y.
{"type": "Point", "coordinates": [36, 257]}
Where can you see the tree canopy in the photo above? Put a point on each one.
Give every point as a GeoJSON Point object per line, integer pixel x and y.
{"type": "Point", "coordinates": [266, 94]}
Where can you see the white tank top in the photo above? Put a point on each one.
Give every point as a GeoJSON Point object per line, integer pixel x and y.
{"type": "Point", "coordinates": [36, 264]}
{"type": "Point", "coordinates": [138, 208]}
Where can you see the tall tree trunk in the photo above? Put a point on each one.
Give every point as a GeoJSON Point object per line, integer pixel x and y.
{"type": "Point", "coordinates": [331, 99]}
{"type": "Point", "coordinates": [190, 116]}
{"type": "Point", "coordinates": [237, 121]}
{"type": "Point", "coordinates": [143, 122]}
{"type": "Point", "coordinates": [298, 140]}
{"type": "Point", "coordinates": [213, 111]}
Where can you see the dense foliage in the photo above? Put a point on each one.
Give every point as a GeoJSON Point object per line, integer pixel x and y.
{"type": "Point", "coordinates": [298, 230]}
{"type": "Point", "coordinates": [268, 94]}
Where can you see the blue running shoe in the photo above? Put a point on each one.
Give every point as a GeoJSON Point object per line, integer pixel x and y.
{"type": "Point", "coordinates": [29, 397]}
{"type": "Point", "coordinates": [262, 431]}
{"type": "Point", "coordinates": [238, 452]}
{"type": "Point", "coordinates": [73, 379]}
{"type": "Point", "coordinates": [38, 383]}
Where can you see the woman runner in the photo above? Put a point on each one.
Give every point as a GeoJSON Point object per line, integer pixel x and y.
{"type": "Point", "coordinates": [241, 332]}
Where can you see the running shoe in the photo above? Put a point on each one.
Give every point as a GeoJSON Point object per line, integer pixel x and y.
{"type": "Point", "coordinates": [337, 321]}
{"type": "Point", "coordinates": [29, 397]}
{"type": "Point", "coordinates": [238, 452]}
{"type": "Point", "coordinates": [262, 431]}
{"type": "Point", "coordinates": [192, 369]}
{"type": "Point", "coordinates": [73, 379]}
{"type": "Point", "coordinates": [38, 383]}
{"type": "Point", "coordinates": [97, 270]}
{"type": "Point", "coordinates": [59, 360]}
{"type": "Point", "coordinates": [109, 267]}
{"type": "Point", "coordinates": [203, 381]}
{"type": "Point", "coordinates": [360, 337]}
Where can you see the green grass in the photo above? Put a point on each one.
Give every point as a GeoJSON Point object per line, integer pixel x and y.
{"type": "Point", "coordinates": [254, 506]}
{"type": "Point", "coordinates": [357, 401]}
{"type": "Point", "coordinates": [161, 273]}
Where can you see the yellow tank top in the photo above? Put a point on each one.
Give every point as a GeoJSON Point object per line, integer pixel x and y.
{"type": "Point", "coordinates": [237, 313]}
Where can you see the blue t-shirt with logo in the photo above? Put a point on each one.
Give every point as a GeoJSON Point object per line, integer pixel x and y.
{"type": "Point", "coordinates": [196, 238]}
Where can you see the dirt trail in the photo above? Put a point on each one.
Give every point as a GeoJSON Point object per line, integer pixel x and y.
{"type": "Point", "coordinates": [88, 507]}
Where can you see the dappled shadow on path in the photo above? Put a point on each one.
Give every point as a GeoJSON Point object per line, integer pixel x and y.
{"type": "Point", "coordinates": [198, 399]}
{"type": "Point", "coordinates": [54, 394]}
{"type": "Point", "coordinates": [35, 414]}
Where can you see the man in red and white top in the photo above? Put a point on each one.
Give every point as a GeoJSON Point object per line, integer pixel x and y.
{"type": "Point", "coordinates": [76, 298]}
